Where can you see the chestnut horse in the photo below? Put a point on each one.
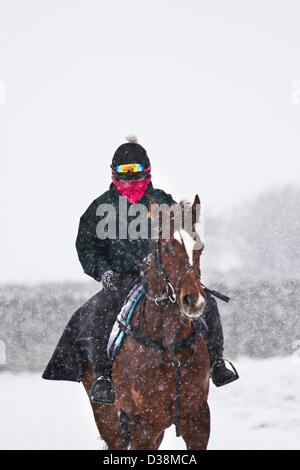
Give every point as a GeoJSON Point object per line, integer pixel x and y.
{"type": "Point", "coordinates": [161, 374]}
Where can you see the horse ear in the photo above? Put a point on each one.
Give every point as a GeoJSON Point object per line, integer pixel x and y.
{"type": "Point", "coordinates": [152, 202]}
{"type": "Point", "coordinates": [196, 208]}
{"type": "Point", "coordinates": [155, 214]}
{"type": "Point", "coordinates": [196, 259]}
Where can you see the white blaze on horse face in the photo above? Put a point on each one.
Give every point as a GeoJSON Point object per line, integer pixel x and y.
{"type": "Point", "coordinates": [189, 243]}
{"type": "Point", "coordinates": [201, 302]}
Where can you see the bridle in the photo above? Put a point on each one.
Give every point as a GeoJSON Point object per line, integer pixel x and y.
{"type": "Point", "coordinates": [171, 292]}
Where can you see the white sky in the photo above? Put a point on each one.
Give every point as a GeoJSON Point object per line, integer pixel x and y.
{"type": "Point", "coordinates": [207, 86]}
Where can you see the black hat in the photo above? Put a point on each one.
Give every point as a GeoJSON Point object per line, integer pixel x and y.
{"type": "Point", "coordinates": [131, 152]}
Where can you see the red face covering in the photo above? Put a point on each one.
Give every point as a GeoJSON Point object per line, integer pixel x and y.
{"type": "Point", "coordinates": [133, 190]}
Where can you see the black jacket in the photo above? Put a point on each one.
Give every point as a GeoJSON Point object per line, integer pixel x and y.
{"type": "Point", "coordinates": [97, 256]}
{"type": "Point", "coordinates": [70, 357]}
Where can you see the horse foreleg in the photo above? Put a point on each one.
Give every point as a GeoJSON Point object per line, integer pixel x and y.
{"type": "Point", "coordinates": [144, 436]}
{"type": "Point", "coordinates": [195, 429]}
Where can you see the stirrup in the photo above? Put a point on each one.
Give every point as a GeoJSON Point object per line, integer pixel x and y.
{"type": "Point", "coordinates": [106, 397]}
{"type": "Point", "coordinates": [233, 378]}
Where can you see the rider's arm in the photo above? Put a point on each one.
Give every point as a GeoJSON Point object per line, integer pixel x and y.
{"type": "Point", "coordinates": [92, 251]}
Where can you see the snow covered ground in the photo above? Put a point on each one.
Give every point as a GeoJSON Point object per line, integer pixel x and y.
{"type": "Point", "coordinates": [260, 411]}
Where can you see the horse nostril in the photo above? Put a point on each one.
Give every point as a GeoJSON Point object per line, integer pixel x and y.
{"type": "Point", "coordinates": [187, 300]}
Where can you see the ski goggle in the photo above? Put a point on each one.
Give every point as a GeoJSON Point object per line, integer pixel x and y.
{"type": "Point", "coordinates": [130, 168]}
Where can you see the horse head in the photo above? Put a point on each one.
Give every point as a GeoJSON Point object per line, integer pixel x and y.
{"type": "Point", "coordinates": [177, 249]}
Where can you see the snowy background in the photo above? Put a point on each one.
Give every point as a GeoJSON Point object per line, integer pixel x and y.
{"type": "Point", "coordinates": [212, 89]}
{"type": "Point", "coordinates": [260, 411]}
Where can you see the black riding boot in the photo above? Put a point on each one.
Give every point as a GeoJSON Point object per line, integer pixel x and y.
{"type": "Point", "coordinates": [215, 344]}
{"type": "Point", "coordinates": [102, 389]}
{"type": "Point", "coordinates": [103, 320]}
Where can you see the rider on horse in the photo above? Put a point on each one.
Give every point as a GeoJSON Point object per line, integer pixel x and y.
{"type": "Point", "coordinates": [116, 263]}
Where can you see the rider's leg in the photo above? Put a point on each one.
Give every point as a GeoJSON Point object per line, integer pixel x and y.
{"type": "Point", "coordinates": [215, 344]}
{"type": "Point", "coordinates": [103, 320]}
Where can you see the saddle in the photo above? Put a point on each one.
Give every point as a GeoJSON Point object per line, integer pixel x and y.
{"type": "Point", "coordinates": [117, 333]}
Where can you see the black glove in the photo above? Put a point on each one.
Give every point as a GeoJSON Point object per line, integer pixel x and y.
{"type": "Point", "coordinates": [110, 280]}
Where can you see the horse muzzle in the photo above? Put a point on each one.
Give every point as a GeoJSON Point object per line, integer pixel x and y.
{"type": "Point", "coordinates": [192, 306]}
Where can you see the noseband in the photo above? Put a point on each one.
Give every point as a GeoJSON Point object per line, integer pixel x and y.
{"type": "Point", "coordinates": [171, 292]}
